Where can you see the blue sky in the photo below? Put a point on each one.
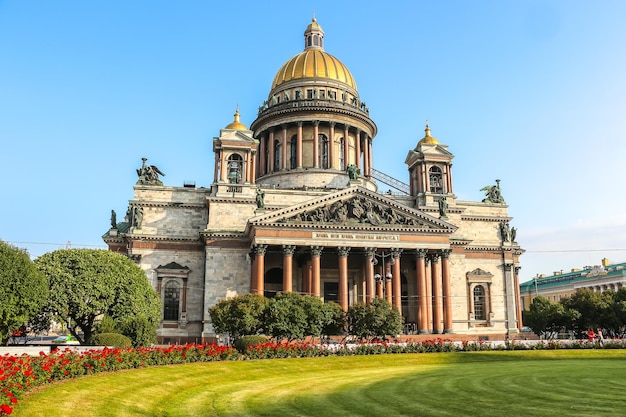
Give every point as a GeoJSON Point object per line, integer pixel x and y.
{"type": "Point", "coordinates": [530, 92]}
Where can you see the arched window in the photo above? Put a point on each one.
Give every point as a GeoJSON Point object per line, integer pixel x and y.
{"type": "Point", "coordinates": [316, 41]}
{"type": "Point", "coordinates": [435, 180]}
{"type": "Point", "coordinates": [235, 169]}
{"type": "Point", "coordinates": [308, 41]}
{"type": "Point", "coordinates": [171, 301]}
{"type": "Point", "coordinates": [342, 157]}
{"type": "Point", "coordinates": [293, 154]}
{"type": "Point", "coordinates": [479, 303]}
{"type": "Point", "coordinates": [323, 150]}
{"type": "Point", "coordinates": [277, 153]}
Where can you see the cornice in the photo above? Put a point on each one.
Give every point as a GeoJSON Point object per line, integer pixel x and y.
{"type": "Point", "coordinates": [170, 204]}
{"type": "Point", "coordinates": [495, 219]}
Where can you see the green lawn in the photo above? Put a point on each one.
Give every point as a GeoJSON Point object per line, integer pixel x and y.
{"type": "Point", "coordinates": [543, 383]}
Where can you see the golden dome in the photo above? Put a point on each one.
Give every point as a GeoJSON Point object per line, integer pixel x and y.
{"type": "Point", "coordinates": [428, 140]}
{"type": "Point", "coordinates": [236, 124]}
{"type": "Point", "coordinates": [314, 63]}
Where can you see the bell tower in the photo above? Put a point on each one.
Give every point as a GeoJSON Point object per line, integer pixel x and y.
{"type": "Point", "coordinates": [430, 170]}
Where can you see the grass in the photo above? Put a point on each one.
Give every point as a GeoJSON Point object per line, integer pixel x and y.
{"type": "Point", "coordinates": [529, 383]}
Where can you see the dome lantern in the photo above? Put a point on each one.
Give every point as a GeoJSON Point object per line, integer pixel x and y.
{"type": "Point", "coordinates": [314, 36]}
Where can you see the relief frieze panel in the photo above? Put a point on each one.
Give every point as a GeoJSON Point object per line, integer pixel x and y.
{"type": "Point", "coordinates": [356, 210]}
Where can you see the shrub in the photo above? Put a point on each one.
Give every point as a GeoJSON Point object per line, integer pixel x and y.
{"type": "Point", "coordinates": [112, 340]}
{"type": "Point", "coordinates": [139, 330]}
{"type": "Point", "coordinates": [244, 342]}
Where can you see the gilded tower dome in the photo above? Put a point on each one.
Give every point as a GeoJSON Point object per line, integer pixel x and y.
{"type": "Point", "coordinates": [314, 62]}
{"type": "Point", "coordinates": [236, 123]}
{"type": "Point", "coordinates": [428, 140]}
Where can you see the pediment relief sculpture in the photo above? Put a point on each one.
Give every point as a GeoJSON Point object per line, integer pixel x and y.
{"type": "Point", "coordinates": [357, 210]}
{"type": "Point", "coordinates": [479, 273]}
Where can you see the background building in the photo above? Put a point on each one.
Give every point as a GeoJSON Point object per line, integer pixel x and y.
{"type": "Point", "coordinates": [294, 206]}
{"type": "Point", "coordinates": [561, 284]}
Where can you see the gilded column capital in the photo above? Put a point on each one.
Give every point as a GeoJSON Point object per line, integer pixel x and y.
{"type": "Point", "coordinates": [370, 252]}
{"type": "Point", "coordinates": [445, 253]}
{"type": "Point", "coordinates": [343, 251]}
{"type": "Point", "coordinates": [316, 250]}
{"type": "Point", "coordinates": [434, 257]}
{"type": "Point", "coordinates": [288, 250]}
{"type": "Point", "coordinates": [396, 252]}
{"type": "Point", "coordinates": [259, 250]}
{"type": "Point", "coordinates": [420, 253]}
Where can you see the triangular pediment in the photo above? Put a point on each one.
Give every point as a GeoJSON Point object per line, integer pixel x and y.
{"type": "Point", "coordinates": [428, 152]}
{"type": "Point", "coordinates": [354, 208]}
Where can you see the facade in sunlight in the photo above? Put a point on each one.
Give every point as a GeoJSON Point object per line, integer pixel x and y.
{"type": "Point", "coordinates": [600, 278]}
{"type": "Point", "coordinates": [295, 206]}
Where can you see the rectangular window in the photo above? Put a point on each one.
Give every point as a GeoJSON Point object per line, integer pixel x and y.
{"type": "Point", "coordinates": [331, 292]}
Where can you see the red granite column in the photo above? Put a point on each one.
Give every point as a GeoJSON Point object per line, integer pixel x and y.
{"type": "Point", "coordinates": [284, 156]}
{"type": "Point", "coordinates": [270, 159]}
{"type": "Point", "coordinates": [316, 253]}
{"type": "Point", "coordinates": [259, 275]}
{"type": "Point", "coordinates": [331, 146]}
{"type": "Point", "coordinates": [288, 251]}
{"type": "Point", "coordinates": [299, 146]}
{"type": "Point", "coordinates": [217, 164]}
{"type": "Point", "coordinates": [343, 277]}
{"type": "Point", "coordinates": [357, 145]}
{"type": "Point", "coordinates": [396, 283]}
{"type": "Point", "coordinates": [253, 170]}
{"type": "Point", "coordinates": [316, 147]}
{"type": "Point", "coordinates": [346, 147]}
{"type": "Point", "coordinates": [420, 269]}
{"type": "Point", "coordinates": [262, 156]}
{"type": "Point", "coordinates": [446, 291]}
{"type": "Point", "coordinates": [436, 285]}
{"type": "Point", "coordinates": [518, 299]}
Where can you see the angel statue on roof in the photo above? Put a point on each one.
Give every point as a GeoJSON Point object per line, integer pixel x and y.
{"type": "Point", "coordinates": [493, 194]}
{"type": "Point", "coordinates": [149, 174]}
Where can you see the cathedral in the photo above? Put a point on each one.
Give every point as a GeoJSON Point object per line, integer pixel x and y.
{"type": "Point", "coordinates": [294, 206]}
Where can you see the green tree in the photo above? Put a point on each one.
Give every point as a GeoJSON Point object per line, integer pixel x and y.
{"type": "Point", "coordinates": [86, 284]}
{"type": "Point", "coordinates": [23, 290]}
{"type": "Point", "coordinates": [375, 320]}
{"type": "Point", "coordinates": [334, 320]}
{"type": "Point", "coordinates": [595, 308]}
{"type": "Point", "coordinates": [548, 318]}
{"type": "Point", "coordinates": [238, 316]}
{"type": "Point", "coordinates": [619, 308]}
{"type": "Point", "coordinates": [287, 317]}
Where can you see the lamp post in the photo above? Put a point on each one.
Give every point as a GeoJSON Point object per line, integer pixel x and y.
{"type": "Point", "coordinates": [383, 279]}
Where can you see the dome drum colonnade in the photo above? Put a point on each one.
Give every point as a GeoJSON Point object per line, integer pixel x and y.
{"type": "Point", "coordinates": [428, 269]}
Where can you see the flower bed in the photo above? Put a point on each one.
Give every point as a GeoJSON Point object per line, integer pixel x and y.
{"type": "Point", "coordinates": [20, 373]}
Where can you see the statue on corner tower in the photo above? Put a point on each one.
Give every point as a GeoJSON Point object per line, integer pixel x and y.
{"type": "Point", "coordinates": [149, 174]}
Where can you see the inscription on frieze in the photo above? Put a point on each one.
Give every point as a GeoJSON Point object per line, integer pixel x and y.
{"type": "Point", "coordinates": [354, 236]}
